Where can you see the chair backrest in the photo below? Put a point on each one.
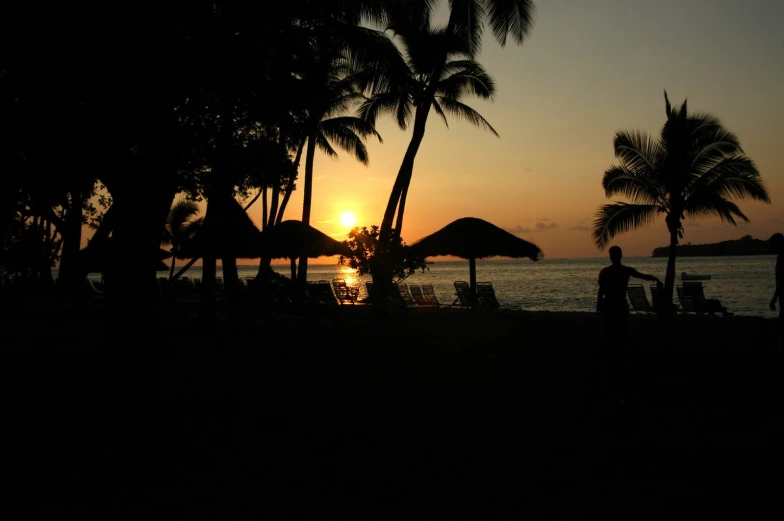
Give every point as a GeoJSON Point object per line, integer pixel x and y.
{"type": "Point", "coordinates": [320, 292]}
{"type": "Point", "coordinates": [401, 290]}
{"type": "Point", "coordinates": [463, 294]}
{"type": "Point", "coordinates": [688, 297]}
{"type": "Point", "coordinates": [417, 295]}
{"type": "Point", "coordinates": [486, 295]}
{"type": "Point", "coordinates": [638, 300]}
{"type": "Point", "coordinates": [430, 295]}
{"type": "Point", "coordinates": [343, 292]}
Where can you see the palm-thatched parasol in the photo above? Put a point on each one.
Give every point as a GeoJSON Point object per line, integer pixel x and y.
{"type": "Point", "coordinates": [294, 239]}
{"type": "Point", "coordinates": [471, 238]}
{"type": "Point", "coordinates": [227, 232]}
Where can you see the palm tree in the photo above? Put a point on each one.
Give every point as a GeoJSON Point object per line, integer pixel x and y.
{"type": "Point", "coordinates": [692, 170]}
{"type": "Point", "coordinates": [441, 81]}
{"type": "Point", "coordinates": [180, 228]}
{"type": "Point", "coordinates": [417, 82]}
{"type": "Point", "coordinates": [332, 92]}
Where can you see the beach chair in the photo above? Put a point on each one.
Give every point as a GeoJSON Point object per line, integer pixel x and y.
{"type": "Point", "coordinates": [344, 292]}
{"type": "Point", "coordinates": [463, 294]}
{"type": "Point", "coordinates": [430, 295]}
{"type": "Point", "coordinates": [692, 298]}
{"type": "Point", "coordinates": [320, 293]}
{"type": "Point", "coordinates": [485, 294]}
{"type": "Point", "coordinates": [417, 295]}
{"type": "Point", "coordinates": [638, 300]}
{"type": "Point", "coordinates": [400, 294]}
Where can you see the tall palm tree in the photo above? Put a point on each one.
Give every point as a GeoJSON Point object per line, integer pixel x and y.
{"type": "Point", "coordinates": [332, 92]}
{"type": "Point", "coordinates": [692, 170]}
{"type": "Point", "coordinates": [417, 82]}
{"type": "Point", "coordinates": [462, 36]}
{"type": "Point", "coordinates": [180, 228]}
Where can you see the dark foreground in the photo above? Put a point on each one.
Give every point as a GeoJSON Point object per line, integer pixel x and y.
{"type": "Point", "coordinates": [424, 415]}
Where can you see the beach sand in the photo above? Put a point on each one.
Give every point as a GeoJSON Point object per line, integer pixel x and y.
{"type": "Point", "coordinates": [424, 414]}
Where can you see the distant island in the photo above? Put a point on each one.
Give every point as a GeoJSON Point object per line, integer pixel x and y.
{"type": "Point", "coordinates": [746, 245]}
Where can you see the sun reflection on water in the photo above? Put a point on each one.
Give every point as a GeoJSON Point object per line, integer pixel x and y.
{"type": "Point", "coordinates": [350, 275]}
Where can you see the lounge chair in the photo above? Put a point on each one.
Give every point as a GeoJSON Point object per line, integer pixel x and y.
{"type": "Point", "coordinates": [638, 300]}
{"type": "Point", "coordinates": [320, 293]}
{"type": "Point", "coordinates": [692, 299]}
{"type": "Point", "coordinates": [485, 294]}
{"type": "Point", "coordinates": [344, 292]}
{"type": "Point", "coordinates": [401, 296]}
{"type": "Point", "coordinates": [430, 295]}
{"type": "Point", "coordinates": [463, 294]}
{"type": "Point", "coordinates": [418, 295]}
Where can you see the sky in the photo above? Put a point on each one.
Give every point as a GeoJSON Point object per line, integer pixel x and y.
{"type": "Point", "coordinates": [587, 70]}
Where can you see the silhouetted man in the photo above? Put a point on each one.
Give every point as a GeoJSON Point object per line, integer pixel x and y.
{"type": "Point", "coordinates": [611, 303]}
{"type": "Point", "coordinates": [777, 245]}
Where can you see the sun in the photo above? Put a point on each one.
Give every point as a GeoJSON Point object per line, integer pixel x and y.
{"type": "Point", "coordinates": [348, 219]}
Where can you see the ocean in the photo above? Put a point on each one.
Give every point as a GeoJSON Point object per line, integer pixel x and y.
{"type": "Point", "coordinates": [743, 284]}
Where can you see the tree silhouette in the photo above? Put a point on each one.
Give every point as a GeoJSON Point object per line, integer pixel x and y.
{"type": "Point", "coordinates": [692, 170]}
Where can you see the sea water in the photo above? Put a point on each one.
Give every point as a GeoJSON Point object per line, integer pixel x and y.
{"type": "Point", "coordinates": [743, 284]}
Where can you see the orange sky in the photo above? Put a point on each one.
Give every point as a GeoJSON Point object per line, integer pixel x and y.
{"type": "Point", "coordinates": [588, 70]}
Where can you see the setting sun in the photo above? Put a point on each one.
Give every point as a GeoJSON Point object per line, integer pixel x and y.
{"type": "Point", "coordinates": [348, 219]}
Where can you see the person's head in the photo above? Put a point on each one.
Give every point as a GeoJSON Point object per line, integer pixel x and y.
{"type": "Point", "coordinates": [777, 243]}
{"type": "Point", "coordinates": [615, 254]}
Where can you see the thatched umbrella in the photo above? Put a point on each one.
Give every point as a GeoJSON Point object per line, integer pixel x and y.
{"type": "Point", "coordinates": [228, 233]}
{"type": "Point", "coordinates": [294, 239]}
{"type": "Point", "coordinates": [471, 238]}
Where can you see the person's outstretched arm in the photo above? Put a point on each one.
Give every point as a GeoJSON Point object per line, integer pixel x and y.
{"type": "Point", "coordinates": [645, 276]}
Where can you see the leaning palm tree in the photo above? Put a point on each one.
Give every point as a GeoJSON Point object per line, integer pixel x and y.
{"type": "Point", "coordinates": [416, 82]}
{"type": "Point", "coordinates": [332, 93]}
{"type": "Point", "coordinates": [433, 65]}
{"type": "Point", "coordinates": [180, 228]}
{"type": "Point", "coordinates": [692, 170]}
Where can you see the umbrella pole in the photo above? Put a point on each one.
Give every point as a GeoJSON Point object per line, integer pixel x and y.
{"type": "Point", "coordinates": [472, 277]}
{"type": "Point", "coordinates": [293, 269]}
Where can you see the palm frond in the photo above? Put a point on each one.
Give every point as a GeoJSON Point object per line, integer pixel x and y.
{"type": "Point", "coordinates": [618, 180]}
{"type": "Point", "coordinates": [637, 151]}
{"type": "Point", "coordinates": [466, 78]}
{"type": "Point", "coordinates": [440, 111]}
{"type": "Point", "coordinates": [515, 18]}
{"type": "Point", "coordinates": [352, 124]}
{"type": "Point", "coordinates": [715, 206]}
{"type": "Point", "coordinates": [733, 177]}
{"type": "Point", "coordinates": [613, 219]}
{"type": "Point", "coordinates": [379, 104]}
{"type": "Point", "coordinates": [462, 111]}
{"type": "Point", "coordinates": [346, 138]}
{"type": "Point", "coordinates": [466, 21]}
{"type": "Point", "coordinates": [323, 144]}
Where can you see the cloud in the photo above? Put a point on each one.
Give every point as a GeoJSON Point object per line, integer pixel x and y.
{"type": "Point", "coordinates": [543, 227]}
{"type": "Point", "coordinates": [540, 227]}
{"type": "Point", "coordinates": [327, 221]}
{"type": "Point", "coordinates": [542, 218]}
{"type": "Point", "coordinates": [580, 228]}
{"type": "Point", "coordinates": [774, 220]}
{"type": "Point", "coordinates": [517, 230]}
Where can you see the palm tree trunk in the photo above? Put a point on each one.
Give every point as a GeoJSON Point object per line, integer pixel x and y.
{"type": "Point", "coordinates": [174, 260]}
{"type": "Point", "coordinates": [273, 211]}
{"type": "Point", "coordinates": [382, 263]}
{"type": "Point", "coordinates": [290, 185]}
{"type": "Point", "coordinates": [72, 237]}
{"type": "Point", "coordinates": [404, 175]}
{"type": "Point", "coordinates": [302, 272]}
{"type": "Point", "coordinates": [669, 277]}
